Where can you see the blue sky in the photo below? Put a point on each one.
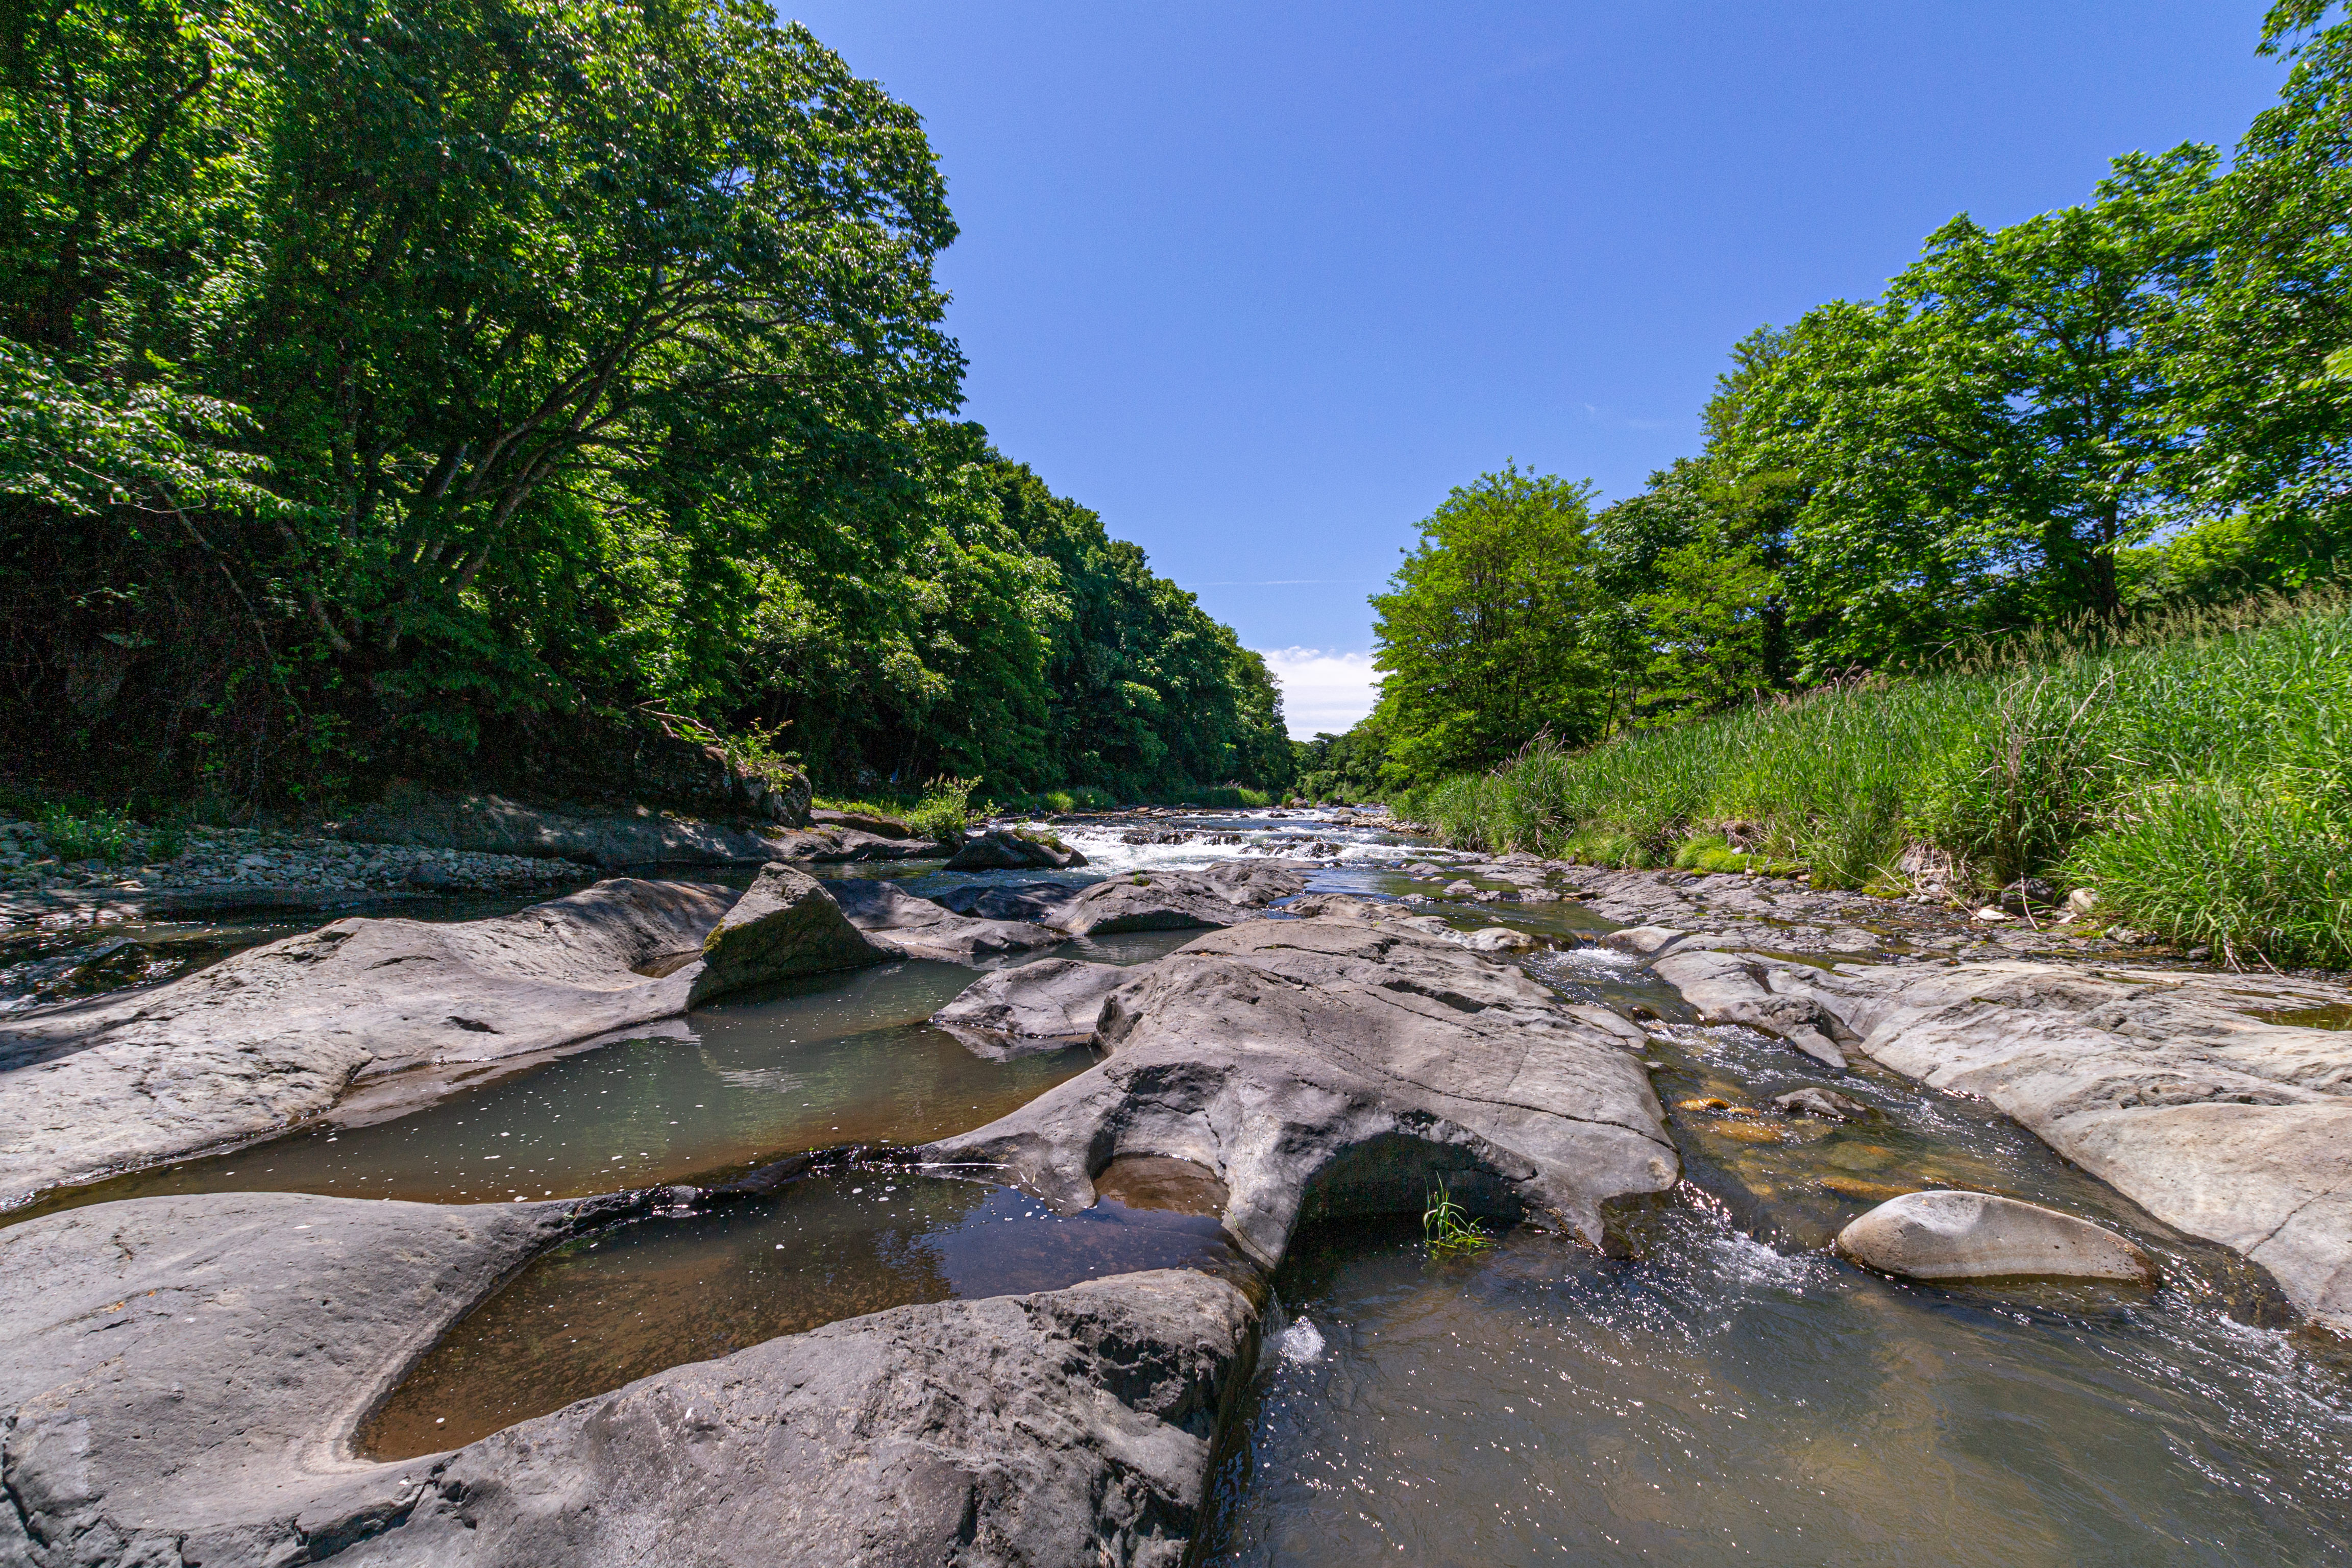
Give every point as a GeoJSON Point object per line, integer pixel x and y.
{"type": "Point", "coordinates": [1259, 283]}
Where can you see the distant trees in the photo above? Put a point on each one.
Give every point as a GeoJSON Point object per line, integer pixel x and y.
{"type": "Point", "coordinates": [2141, 400]}
{"type": "Point", "coordinates": [375, 371]}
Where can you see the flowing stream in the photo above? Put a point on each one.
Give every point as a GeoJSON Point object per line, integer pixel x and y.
{"type": "Point", "coordinates": [1717, 1388]}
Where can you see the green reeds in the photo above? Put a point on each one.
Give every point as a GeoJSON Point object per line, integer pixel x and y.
{"type": "Point", "coordinates": [2195, 769]}
{"type": "Point", "coordinates": [1448, 1227]}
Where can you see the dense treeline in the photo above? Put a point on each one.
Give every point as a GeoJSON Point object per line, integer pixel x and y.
{"type": "Point", "coordinates": [2141, 401]}
{"type": "Point", "coordinates": [379, 378]}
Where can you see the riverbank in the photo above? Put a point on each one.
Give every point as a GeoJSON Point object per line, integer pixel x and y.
{"type": "Point", "coordinates": [2194, 782]}
{"type": "Point", "coordinates": [1649, 1070]}
{"type": "Point", "coordinates": [233, 867]}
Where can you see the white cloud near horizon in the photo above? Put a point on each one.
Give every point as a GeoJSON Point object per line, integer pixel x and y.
{"type": "Point", "coordinates": [1322, 690]}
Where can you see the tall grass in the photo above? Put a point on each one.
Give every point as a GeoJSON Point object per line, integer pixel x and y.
{"type": "Point", "coordinates": [2196, 771]}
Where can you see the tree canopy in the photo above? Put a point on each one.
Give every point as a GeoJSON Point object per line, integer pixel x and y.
{"type": "Point", "coordinates": [2140, 401]}
{"type": "Point", "coordinates": [373, 371]}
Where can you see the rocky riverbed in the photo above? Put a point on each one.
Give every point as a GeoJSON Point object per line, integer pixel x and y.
{"type": "Point", "coordinates": [1568, 1051]}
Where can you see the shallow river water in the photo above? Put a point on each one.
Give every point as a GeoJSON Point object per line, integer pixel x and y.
{"type": "Point", "coordinates": [1717, 1388]}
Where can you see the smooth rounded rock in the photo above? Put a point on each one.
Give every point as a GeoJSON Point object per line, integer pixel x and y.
{"type": "Point", "coordinates": [1977, 1236]}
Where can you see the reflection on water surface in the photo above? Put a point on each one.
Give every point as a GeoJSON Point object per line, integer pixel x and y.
{"type": "Point", "coordinates": [602, 1311]}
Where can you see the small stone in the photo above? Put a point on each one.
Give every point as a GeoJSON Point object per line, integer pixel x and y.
{"type": "Point", "coordinates": [1459, 889]}
{"type": "Point", "coordinates": [1811, 1100]}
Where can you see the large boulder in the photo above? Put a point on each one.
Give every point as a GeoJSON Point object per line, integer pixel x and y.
{"type": "Point", "coordinates": [1348, 1063]}
{"type": "Point", "coordinates": [1977, 1236]}
{"type": "Point", "coordinates": [1178, 900]}
{"type": "Point", "coordinates": [1014, 849]}
{"type": "Point", "coordinates": [862, 822]}
{"type": "Point", "coordinates": [786, 924]}
{"type": "Point", "coordinates": [277, 1032]}
{"type": "Point", "coordinates": [1048, 1005]}
{"type": "Point", "coordinates": [2203, 1097]}
{"type": "Point", "coordinates": [892, 917]}
{"type": "Point", "coordinates": [180, 1380]}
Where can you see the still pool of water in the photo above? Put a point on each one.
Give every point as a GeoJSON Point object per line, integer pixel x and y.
{"type": "Point", "coordinates": [602, 1311]}
{"type": "Point", "coordinates": [830, 1060]}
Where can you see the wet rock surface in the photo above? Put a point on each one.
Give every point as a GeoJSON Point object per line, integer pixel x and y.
{"type": "Point", "coordinates": [1038, 903]}
{"type": "Point", "coordinates": [1041, 1006]}
{"type": "Point", "coordinates": [277, 1033]}
{"type": "Point", "coordinates": [211, 870]}
{"type": "Point", "coordinates": [182, 1379]}
{"type": "Point", "coordinates": [892, 917]}
{"type": "Point", "coordinates": [1979, 1236]}
{"type": "Point", "coordinates": [597, 836]}
{"type": "Point", "coordinates": [1734, 988]}
{"type": "Point", "coordinates": [1223, 895]}
{"type": "Point", "coordinates": [2171, 1086]}
{"type": "Point", "coordinates": [1342, 1063]}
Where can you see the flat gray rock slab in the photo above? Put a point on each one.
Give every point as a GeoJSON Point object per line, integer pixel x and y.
{"type": "Point", "coordinates": [892, 917]}
{"type": "Point", "coordinates": [1225, 895]}
{"type": "Point", "coordinates": [2175, 1088]}
{"type": "Point", "coordinates": [1979, 1236]}
{"type": "Point", "coordinates": [1073, 1426]}
{"type": "Point", "coordinates": [639, 836]}
{"type": "Point", "coordinates": [1048, 1005]}
{"type": "Point", "coordinates": [1734, 988]}
{"type": "Point", "coordinates": [1037, 902]}
{"type": "Point", "coordinates": [275, 1034]}
{"type": "Point", "coordinates": [1346, 1062]}
{"type": "Point", "coordinates": [180, 1380]}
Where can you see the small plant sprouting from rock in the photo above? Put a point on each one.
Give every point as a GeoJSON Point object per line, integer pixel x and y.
{"type": "Point", "coordinates": [1447, 1226]}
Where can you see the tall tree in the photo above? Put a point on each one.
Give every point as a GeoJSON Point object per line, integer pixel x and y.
{"type": "Point", "coordinates": [1481, 637]}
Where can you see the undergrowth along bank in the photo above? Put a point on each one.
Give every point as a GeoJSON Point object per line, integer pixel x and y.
{"type": "Point", "coordinates": [2197, 773]}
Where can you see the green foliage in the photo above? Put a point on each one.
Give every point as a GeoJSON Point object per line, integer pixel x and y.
{"type": "Point", "coordinates": [944, 811]}
{"type": "Point", "coordinates": [2060, 474]}
{"type": "Point", "coordinates": [94, 835]}
{"type": "Point", "coordinates": [1448, 1227]}
{"type": "Point", "coordinates": [377, 374]}
{"type": "Point", "coordinates": [1342, 768]}
{"type": "Point", "coordinates": [1481, 638]}
{"type": "Point", "coordinates": [2196, 769]}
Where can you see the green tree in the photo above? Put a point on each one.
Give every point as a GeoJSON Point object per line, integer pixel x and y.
{"type": "Point", "coordinates": [2266, 346]}
{"type": "Point", "coordinates": [1481, 636]}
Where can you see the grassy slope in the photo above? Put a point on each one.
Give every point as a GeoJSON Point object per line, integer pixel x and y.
{"type": "Point", "coordinates": [2197, 778]}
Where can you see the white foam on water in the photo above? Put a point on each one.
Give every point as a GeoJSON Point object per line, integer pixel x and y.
{"type": "Point", "coordinates": [1300, 1344]}
{"type": "Point", "coordinates": [1107, 855]}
